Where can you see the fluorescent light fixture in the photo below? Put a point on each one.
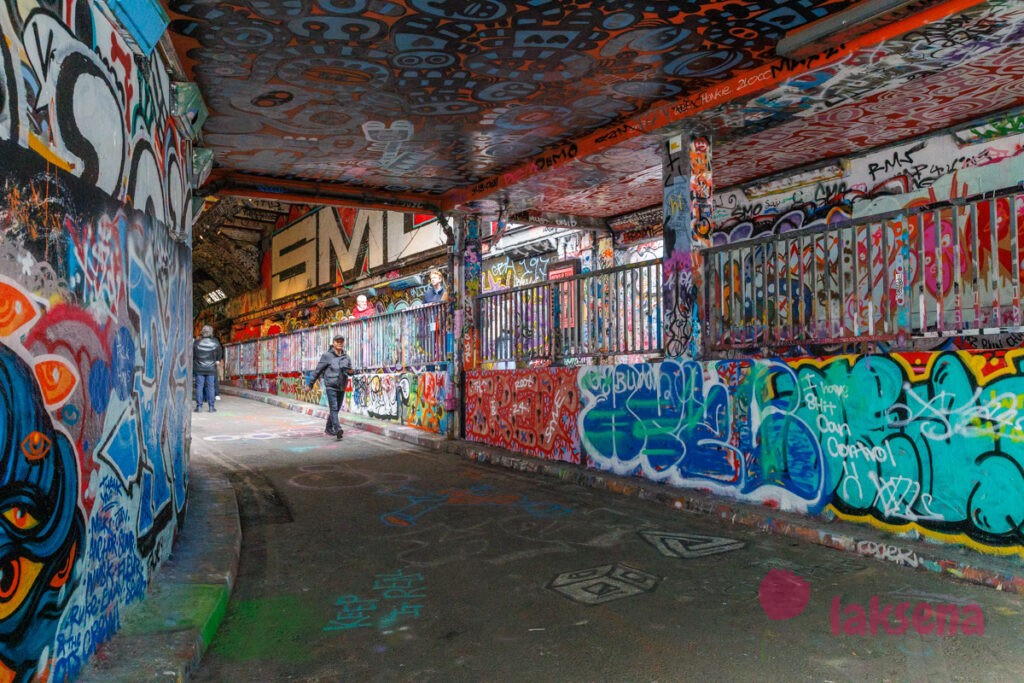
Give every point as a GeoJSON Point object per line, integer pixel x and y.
{"type": "Point", "coordinates": [188, 108]}
{"type": "Point", "coordinates": [407, 282]}
{"type": "Point", "coordinates": [214, 296]}
{"type": "Point", "coordinates": [837, 28]}
{"type": "Point", "coordinates": [202, 164]}
{"type": "Point", "coordinates": [793, 181]}
{"type": "Point", "coordinates": [999, 126]}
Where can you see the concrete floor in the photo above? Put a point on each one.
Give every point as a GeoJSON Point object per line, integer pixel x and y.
{"type": "Point", "coordinates": [373, 560]}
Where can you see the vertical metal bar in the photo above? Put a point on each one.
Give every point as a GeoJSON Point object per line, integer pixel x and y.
{"type": "Point", "coordinates": [730, 284]}
{"type": "Point", "coordinates": [602, 318]}
{"type": "Point", "coordinates": [841, 284]}
{"type": "Point", "coordinates": [886, 302]}
{"type": "Point", "coordinates": [641, 313]}
{"type": "Point", "coordinates": [542, 333]}
{"type": "Point", "coordinates": [611, 301]}
{"type": "Point", "coordinates": [657, 302]}
{"type": "Point", "coordinates": [739, 331]}
{"type": "Point", "coordinates": [870, 278]}
{"type": "Point", "coordinates": [904, 319]}
{"type": "Point", "coordinates": [602, 302]}
{"type": "Point", "coordinates": [581, 315]}
{"type": "Point", "coordinates": [616, 314]}
{"type": "Point", "coordinates": [570, 307]}
{"type": "Point", "coordinates": [483, 320]}
{"type": "Point", "coordinates": [974, 262]}
{"type": "Point", "coordinates": [625, 306]}
{"type": "Point", "coordinates": [632, 306]}
{"type": "Point", "coordinates": [940, 312]}
{"type": "Point", "coordinates": [529, 323]}
{"type": "Point", "coordinates": [798, 297]}
{"type": "Point", "coordinates": [504, 333]}
{"type": "Point", "coordinates": [545, 336]}
{"type": "Point", "coordinates": [856, 294]}
{"type": "Point", "coordinates": [814, 312]}
{"type": "Point", "coordinates": [784, 296]}
{"type": "Point", "coordinates": [920, 274]}
{"type": "Point", "coordinates": [654, 301]}
{"type": "Point", "coordinates": [1015, 314]}
{"type": "Point", "coordinates": [779, 326]}
{"type": "Point", "coordinates": [588, 303]}
{"type": "Point", "coordinates": [517, 318]}
{"type": "Point", "coordinates": [487, 327]}
{"type": "Point", "coordinates": [764, 293]}
{"type": "Point", "coordinates": [564, 317]}
{"type": "Point", "coordinates": [741, 295]}
{"type": "Point", "coordinates": [995, 319]}
{"type": "Point", "coordinates": [751, 296]}
{"type": "Point", "coordinates": [614, 293]}
{"type": "Point", "coordinates": [826, 284]}
{"type": "Point", "coordinates": [518, 326]}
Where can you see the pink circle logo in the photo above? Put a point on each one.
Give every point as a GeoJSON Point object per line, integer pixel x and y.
{"type": "Point", "coordinates": [783, 594]}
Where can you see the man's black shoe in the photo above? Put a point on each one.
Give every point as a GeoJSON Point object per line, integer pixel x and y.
{"type": "Point", "coordinates": [330, 432]}
{"type": "Point", "coordinates": [339, 435]}
{"type": "Point", "coordinates": [212, 409]}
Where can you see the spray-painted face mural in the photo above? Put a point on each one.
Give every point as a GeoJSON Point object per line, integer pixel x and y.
{"type": "Point", "coordinates": [41, 530]}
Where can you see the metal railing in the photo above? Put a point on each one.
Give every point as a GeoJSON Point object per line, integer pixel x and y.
{"type": "Point", "coordinates": [613, 312]}
{"type": "Point", "coordinates": [944, 269]}
{"type": "Point", "coordinates": [391, 341]}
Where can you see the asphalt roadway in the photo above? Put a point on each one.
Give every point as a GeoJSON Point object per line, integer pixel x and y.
{"type": "Point", "coordinates": [374, 560]}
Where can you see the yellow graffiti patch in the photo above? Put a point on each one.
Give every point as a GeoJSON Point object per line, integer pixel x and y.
{"type": "Point", "coordinates": [959, 538]}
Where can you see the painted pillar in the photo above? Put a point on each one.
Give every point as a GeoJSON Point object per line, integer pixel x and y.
{"type": "Point", "coordinates": [468, 276]}
{"type": "Point", "coordinates": [686, 202]}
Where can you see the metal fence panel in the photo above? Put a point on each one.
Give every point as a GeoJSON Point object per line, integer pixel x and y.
{"type": "Point", "coordinates": [391, 341]}
{"type": "Point", "coordinates": [604, 313]}
{"type": "Point", "coordinates": [946, 269]}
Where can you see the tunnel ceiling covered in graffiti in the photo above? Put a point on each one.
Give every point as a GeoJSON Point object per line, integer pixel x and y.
{"type": "Point", "coordinates": [559, 106]}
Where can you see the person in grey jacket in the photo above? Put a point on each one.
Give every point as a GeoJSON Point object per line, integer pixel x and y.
{"type": "Point", "coordinates": [206, 353]}
{"type": "Point", "coordinates": [336, 368]}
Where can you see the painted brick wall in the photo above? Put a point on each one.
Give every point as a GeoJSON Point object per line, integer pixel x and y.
{"type": "Point", "coordinates": [95, 321]}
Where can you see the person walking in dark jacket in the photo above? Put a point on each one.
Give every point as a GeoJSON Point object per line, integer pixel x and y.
{"type": "Point", "coordinates": [336, 367]}
{"type": "Point", "coordinates": [206, 353]}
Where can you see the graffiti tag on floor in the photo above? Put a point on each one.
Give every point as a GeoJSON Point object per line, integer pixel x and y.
{"type": "Point", "coordinates": [396, 598]}
{"type": "Point", "coordinates": [688, 546]}
{"type": "Point", "coordinates": [603, 584]}
{"type": "Point", "coordinates": [421, 502]}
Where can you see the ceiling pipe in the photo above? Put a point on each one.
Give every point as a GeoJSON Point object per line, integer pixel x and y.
{"type": "Point", "coordinates": [836, 29]}
{"type": "Point", "coordinates": [313, 193]}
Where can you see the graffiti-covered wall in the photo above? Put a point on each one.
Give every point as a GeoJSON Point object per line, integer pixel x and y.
{"type": "Point", "coordinates": [930, 442]}
{"type": "Point", "coordinates": [416, 398]}
{"type": "Point", "coordinates": [531, 411]}
{"type": "Point", "coordinates": [94, 332]}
